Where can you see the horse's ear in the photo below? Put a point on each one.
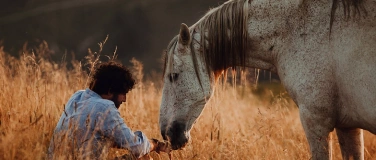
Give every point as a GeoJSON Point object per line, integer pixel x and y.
{"type": "Point", "coordinates": [184, 35]}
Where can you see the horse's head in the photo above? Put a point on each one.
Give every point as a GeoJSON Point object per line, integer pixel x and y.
{"type": "Point", "coordinates": [219, 40]}
{"type": "Point", "coordinates": [186, 88]}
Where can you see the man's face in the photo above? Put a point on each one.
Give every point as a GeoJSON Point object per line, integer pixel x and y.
{"type": "Point", "coordinates": [118, 99]}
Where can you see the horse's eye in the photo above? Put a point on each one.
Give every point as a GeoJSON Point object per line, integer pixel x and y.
{"type": "Point", "coordinates": [173, 77]}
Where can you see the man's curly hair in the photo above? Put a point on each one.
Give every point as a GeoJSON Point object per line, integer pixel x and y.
{"type": "Point", "coordinates": [111, 77]}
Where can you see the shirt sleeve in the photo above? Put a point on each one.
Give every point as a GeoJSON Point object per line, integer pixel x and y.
{"type": "Point", "coordinates": [123, 137]}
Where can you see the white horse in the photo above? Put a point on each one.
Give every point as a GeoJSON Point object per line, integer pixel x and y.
{"type": "Point", "coordinates": [323, 51]}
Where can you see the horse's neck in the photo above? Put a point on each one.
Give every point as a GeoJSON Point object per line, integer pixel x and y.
{"type": "Point", "coordinates": [276, 25]}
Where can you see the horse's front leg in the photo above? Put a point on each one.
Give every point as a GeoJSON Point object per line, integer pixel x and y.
{"type": "Point", "coordinates": [318, 124]}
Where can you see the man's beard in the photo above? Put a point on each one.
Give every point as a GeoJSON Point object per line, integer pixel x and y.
{"type": "Point", "coordinates": [115, 99]}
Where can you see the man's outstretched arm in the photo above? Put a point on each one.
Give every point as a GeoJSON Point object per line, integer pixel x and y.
{"type": "Point", "coordinates": [114, 128]}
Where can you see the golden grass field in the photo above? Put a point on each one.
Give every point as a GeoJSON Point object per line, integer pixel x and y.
{"type": "Point", "coordinates": [241, 123]}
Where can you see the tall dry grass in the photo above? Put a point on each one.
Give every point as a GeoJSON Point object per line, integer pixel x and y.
{"type": "Point", "coordinates": [236, 123]}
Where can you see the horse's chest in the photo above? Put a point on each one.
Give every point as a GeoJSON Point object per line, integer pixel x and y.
{"type": "Point", "coordinates": [306, 76]}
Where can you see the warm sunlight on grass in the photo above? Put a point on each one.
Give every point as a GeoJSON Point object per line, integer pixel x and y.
{"type": "Point", "coordinates": [241, 123]}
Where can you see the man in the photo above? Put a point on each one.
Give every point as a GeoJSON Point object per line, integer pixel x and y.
{"type": "Point", "coordinates": [91, 123]}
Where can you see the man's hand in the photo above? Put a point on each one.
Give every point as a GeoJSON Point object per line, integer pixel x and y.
{"type": "Point", "coordinates": [160, 146]}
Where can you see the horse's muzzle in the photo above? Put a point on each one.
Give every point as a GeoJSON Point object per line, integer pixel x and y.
{"type": "Point", "coordinates": [177, 135]}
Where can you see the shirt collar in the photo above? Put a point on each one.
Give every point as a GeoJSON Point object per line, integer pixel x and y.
{"type": "Point", "coordinates": [92, 93]}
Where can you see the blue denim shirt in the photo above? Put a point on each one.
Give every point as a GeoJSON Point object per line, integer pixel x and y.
{"type": "Point", "coordinates": [89, 125]}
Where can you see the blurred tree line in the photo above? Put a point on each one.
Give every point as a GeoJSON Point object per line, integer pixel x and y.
{"type": "Point", "coordinates": [139, 28]}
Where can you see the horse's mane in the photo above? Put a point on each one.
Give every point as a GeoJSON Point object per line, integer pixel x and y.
{"type": "Point", "coordinates": [227, 35]}
{"type": "Point", "coordinates": [225, 30]}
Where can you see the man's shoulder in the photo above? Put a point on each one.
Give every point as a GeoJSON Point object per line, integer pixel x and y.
{"type": "Point", "coordinates": [85, 97]}
{"type": "Point", "coordinates": [104, 106]}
